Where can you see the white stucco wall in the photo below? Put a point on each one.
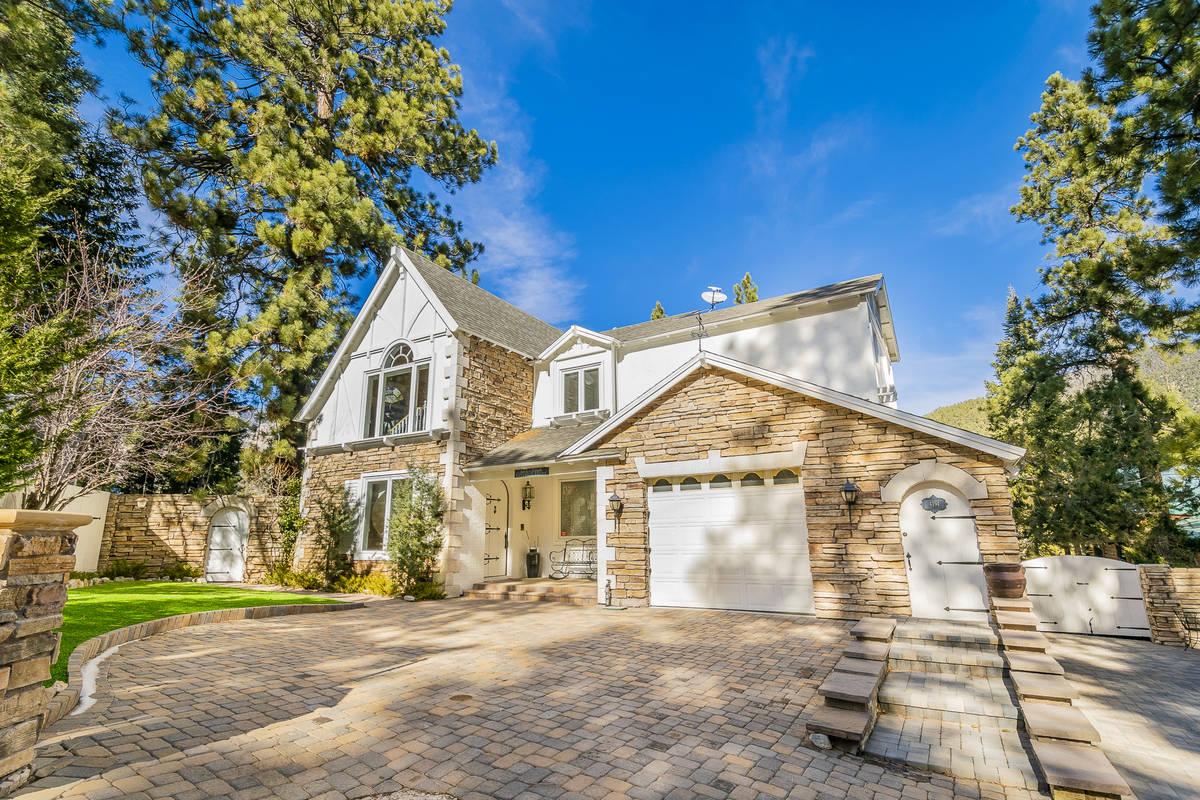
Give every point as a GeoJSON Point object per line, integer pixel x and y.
{"type": "Point", "coordinates": [404, 315]}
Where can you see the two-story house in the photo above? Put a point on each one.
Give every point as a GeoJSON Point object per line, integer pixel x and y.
{"type": "Point", "coordinates": [747, 457]}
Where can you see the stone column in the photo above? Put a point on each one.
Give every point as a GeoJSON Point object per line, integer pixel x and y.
{"type": "Point", "coordinates": [1162, 605]}
{"type": "Point", "coordinates": [37, 550]}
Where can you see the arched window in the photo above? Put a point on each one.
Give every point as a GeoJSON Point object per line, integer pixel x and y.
{"type": "Point", "coordinates": [784, 477]}
{"type": "Point", "coordinates": [689, 484]}
{"type": "Point", "coordinates": [662, 485]}
{"type": "Point", "coordinates": [397, 395]}
{"type": "Point", "coordinates": [719, 482]}
{"type": "Point", "coordinates": [752, 479]}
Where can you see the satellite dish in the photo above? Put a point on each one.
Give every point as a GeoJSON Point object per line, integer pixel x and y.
{"type": "Point", "coordinates": [714, 296]}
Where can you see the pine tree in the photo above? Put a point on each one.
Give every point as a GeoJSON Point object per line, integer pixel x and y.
{"type": "Point", "coordinates": [286, 150]}
{"type": "Point", "coordinates": [659, 312]}
{"type": "Point", "coordinates": [745, 290]}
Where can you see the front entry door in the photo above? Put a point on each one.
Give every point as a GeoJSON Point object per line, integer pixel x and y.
{"type": "Point", "coordinates": [495, 532]}
{"type": "Point", "coordinates": [227, 536]}
{"type": "Point", "coordinates": [941, 556]}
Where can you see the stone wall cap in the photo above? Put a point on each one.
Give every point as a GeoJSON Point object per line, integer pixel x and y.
{"type": "Point", "coordinates": [27, 519]}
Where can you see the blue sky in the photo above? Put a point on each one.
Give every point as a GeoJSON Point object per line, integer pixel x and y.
{"type": "Point", "coordinates": [648, 150]}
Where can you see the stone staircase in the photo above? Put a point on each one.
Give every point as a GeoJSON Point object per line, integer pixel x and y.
{"type": "Point", "coordinates": [574, 592]}
{"type": "Point", "coordinates": [849, 692]}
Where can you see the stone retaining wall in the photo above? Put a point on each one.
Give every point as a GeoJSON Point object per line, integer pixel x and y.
{"type": "Point", "coordinates": [1170, 592]}
{"type": "Point", "coordinates": [37, 550]}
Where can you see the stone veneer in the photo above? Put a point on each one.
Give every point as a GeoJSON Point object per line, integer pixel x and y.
{"type": "Point", "coordinates": [37, 550]}
{"type": "Point", "coordinates": [857, 568]}
{"type": "Point", "coordinates": [162, 529]}
{"type": "Point", "coordinates": [498, 397]}
{"type": "Point", "coordinates": [1170, 592]}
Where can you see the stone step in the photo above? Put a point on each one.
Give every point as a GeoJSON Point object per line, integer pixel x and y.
{"type": "Point", "coordinates": [1040, 686]}
{"type": "Point", "coordinates": [875, 629]}
{"type": "Point", "coordinates": [1055, 721]}
{"type": "Point", "coordinates": [842, 723]}
{"type": "Point", "coordinates": [967, 634]}
{"type": "Point", "coordinates": [973, 753]}
{"type": "Point", "coordinates": [527, 597]}
{"type": "Point", "coordinates": [966, 700]}
{"type": "Point", "coordinates": [1021, 604]}
{"type": "Point", "coordinates": [873, 651]}
{"type": "Point", "coordinates": [1029, 641]}
{"type": "Point", "coordinates": [1025, 661]}
{"type": "Point", "coordinates": [861, 666]}
{"type": "Point", "coordinates": [1016, 620]}
{"type": "Point", "coordinates": [851, 687]}
{"type": "Point", "coordinates": [914, 656]}
{"type": "Point", "coordinates": [1078, 768]}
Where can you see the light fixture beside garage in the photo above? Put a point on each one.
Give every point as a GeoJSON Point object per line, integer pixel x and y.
{"type": "Point", "coordinates": [527, 496]}
{"type": "Point", "coordinates": [850, 497]}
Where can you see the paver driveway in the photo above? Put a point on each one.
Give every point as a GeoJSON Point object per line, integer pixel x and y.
{"type": "Point", "coordinates": [479, 699]}
{"type": "Point", "coordinates": [1144, 699]}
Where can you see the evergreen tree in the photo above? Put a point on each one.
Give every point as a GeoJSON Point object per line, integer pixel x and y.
{"type": "Point", "coordinates": [287, 151]}
{"type": "Point", "coordinates": [659, 312]}
{"type": "Point", "coordinates": [745, 290]}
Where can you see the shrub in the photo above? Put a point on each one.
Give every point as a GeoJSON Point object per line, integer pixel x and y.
{"type": "Point", "coordinates": [308, 579]}
{"type": "Point", "coordinates": [368, 583]}
{"type": "Point", "coordinates": [180, 571]}
{"type": "Point", "coordinates": [123, 568]}
{"type": "Point", "coordinates": [415, 532]}
{"type": "Point", "coordinates": [336, 525]}
{"type": "Point", "coordinates": [84, 576]}
{"type": "Point", "coordinates": [426, 590]}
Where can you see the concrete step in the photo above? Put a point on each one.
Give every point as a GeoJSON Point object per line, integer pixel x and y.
{"type": "Point", "coordinates": [970, 752]}
{"type": "Point", "coordinates": [1024, 661]}
{"type": "Point", "coordinates": [1054, 721]}
{"type": "Point", "coordinates": [1040, 686]}
{"type": "Point", "coordinates": [1028, 641]}
{"type": "Point", "coordinates": [1016, 620]}
{"type": "Point", "coordinates": [851, 687]}
{"type": "Point", "coordinates": [873, 651]}
{"type": "Point", "coordinates": [530, 597]}
{"type": "Point", "coordinates": [918, 656]}
{"type": "Point", "coordinates": [862, 666]}
{"type": "Point", "coordinates": [1078, 768]}
{"type": "Point", "coordinates": [1012, 604]}
{"type": "Point", "coordinates": [875, 629]}
{"type": "Point", "coordinates": [842, 723]}
{"type": "Point", "coordinates": [966, 634]}
{"type": "Point", "coordinates": [962, 699]}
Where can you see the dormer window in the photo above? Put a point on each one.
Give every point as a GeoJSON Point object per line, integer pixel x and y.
{"type": "Point", "coordinates": [397, 395]}
{"type": "Point", "coordinates": [581, 390]}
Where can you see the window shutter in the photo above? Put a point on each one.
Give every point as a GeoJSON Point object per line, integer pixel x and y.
{"type": "Point", "coordinates": [354, 495]}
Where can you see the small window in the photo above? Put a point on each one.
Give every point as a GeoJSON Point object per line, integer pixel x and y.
{"type": "Point", "coordinates": [662, 485]}
{"type": "Point", "coordinates": [397, 397]}
{"type": "Point", "coordinates": [689, 485]}
{"type": "Point", "coordinates": [719, 482]}
{"type": "Point", "coordinates": [581, 390]}
{"type": "Point", "coordinates": [752, 479]}
{"type": "Point", "coordinates": [398, 356]}
{"type": "Point", "coordinates": [784, 477]}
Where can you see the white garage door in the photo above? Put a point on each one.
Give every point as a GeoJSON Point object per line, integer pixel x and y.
{"type": "Point", "coordinates": [721, 543]}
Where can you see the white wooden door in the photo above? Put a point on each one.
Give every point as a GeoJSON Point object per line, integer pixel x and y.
{"type": "Point", "coordinates": [1083, 594]}
{"type": "Point", "coordinates": [227, 536]}
{"type": "Point", "coordinates": [495, 532]}
{"type": "Point", "coordinates": [941, 556]}
{"type": "Point", "coordinates": [737, 547]}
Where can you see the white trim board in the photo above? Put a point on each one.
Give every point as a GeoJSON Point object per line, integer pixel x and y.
{"type": "Point", "coordinates": [1010, 454]}
{"type": "Point", "coordinates": [715, 463]}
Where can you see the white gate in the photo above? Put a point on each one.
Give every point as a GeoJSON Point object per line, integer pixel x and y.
{"type": "Point", "coordinates": [1084, 594]}
{"type": "Point", "coordinates": [227, 537]}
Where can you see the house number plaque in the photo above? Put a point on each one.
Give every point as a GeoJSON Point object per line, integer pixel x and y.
{"type": "Point", "coordinates": [934, 504]}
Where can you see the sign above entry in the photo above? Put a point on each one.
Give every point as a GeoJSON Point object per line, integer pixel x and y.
{"type": "Point", "coordinates": [529, 472]}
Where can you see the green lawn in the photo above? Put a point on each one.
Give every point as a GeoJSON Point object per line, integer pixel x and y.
{"type": "Point", "coordinates": [94, 610]}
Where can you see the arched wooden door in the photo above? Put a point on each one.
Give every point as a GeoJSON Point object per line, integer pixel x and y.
{"type": "Point", "coordinates": [228, 534]}
{"type": "Point", "coordinates": [941, 555]}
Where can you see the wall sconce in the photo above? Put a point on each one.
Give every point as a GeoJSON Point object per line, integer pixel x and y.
{"type": "Point", "coordinates": [850, 497]}
{"type": "Point", "coordinates": [527, 496]}
{"type": "Point", "coordinates": [614, 504]}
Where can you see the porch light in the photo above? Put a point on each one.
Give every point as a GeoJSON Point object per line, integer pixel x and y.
{"type": "Point", "coordinates": [614, 504]}
{"type": "Point", "coordinates": [849, 496]}
{"type": "Point", "coordinates": [527, 496]}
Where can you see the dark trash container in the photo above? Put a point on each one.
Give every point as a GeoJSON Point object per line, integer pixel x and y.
{"type": "Point", "coordinates": [533, 563]}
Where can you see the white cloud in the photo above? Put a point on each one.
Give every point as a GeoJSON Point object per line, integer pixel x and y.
{"type": "Point", "coordinates": [985, 213]}
{"type": "Point", "coordinates": [855, 210]}
{"type": "Point", "coordinates": [781, 60]}
{"type": "Point", "coordinates": [954, 368]}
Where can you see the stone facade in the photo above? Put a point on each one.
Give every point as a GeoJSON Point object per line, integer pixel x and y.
{"type": "Point", "coordinates": [498, 396]}
{"type": "Point", "coordinates": [858, 568]}
{"type": "Point", "coordinates": [37, 550]}
{"type": "Point", "coordinates": [1170, 593]}
{"type": "Point", "coordinates": [163, 529]}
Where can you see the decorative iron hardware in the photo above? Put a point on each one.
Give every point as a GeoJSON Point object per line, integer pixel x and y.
{"type": "Point", "coordinates": [491, 499]}
{"type": "Point", "coordinates": [488, 559]}
{"type": "Point", "coordinates": [1131, 628]}
{"type": "Point", "coordinates": [980, 610]}
{"type": "Point", "coordinates": [1118, 597]}
{"type": "Point", "coordinates": [1121, 569]}
{"type": "Point", "coordinates": [952, 516]}
{"type": "Point", "coordinates": [944, 563]}
{"type": "Point", "coordinates": [490, 528]}
{"type": "Point", "coordinates": [1035, 594]}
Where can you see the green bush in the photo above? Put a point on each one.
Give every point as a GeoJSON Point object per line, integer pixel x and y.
{"type": "Point", "coordinates": [415, 532]}
{"type": "Point", "coordinates": [308, 579]}
{"type": "Point", "coordinates": [123, 568]}
{"type": "Point", "coordinates": [369, 583]}
{"type": "Point", "coordinates": [336, 526]}
{"type": "Point", "coordinates": [84, 576]}
{"type": "Point", "coordinates": [426, 590]}
{"type": "Point", "coordinates": [181, 571]}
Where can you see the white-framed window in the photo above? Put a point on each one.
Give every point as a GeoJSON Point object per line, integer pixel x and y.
{"type": "Point", "coordinates": [378, 495]}
{"type": "Point", "coordinates": [397, 395]}
{"type": "Point", "coordinates": [581, 389]}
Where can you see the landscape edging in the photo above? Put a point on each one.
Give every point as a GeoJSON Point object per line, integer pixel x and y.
{"type": "Point", "coordinates": [61, 703]}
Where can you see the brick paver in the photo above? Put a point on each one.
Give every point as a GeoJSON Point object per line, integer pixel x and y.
{"type": "Point", "coordinates": [477, 699]}
{"type": "Point", "coordinates": [1144, 699]}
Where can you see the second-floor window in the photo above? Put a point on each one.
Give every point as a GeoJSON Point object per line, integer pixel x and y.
{"type": "Point", "coordinates": [581, 390]}
{"type": "Point", "coordinates": [397, 395]}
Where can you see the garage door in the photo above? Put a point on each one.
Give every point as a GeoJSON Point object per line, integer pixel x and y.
{"type": "Point", "coordinates": [736, 542]}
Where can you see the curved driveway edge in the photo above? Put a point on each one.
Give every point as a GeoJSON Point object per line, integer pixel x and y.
{"type": "Point", "coordinates": [64, 701]}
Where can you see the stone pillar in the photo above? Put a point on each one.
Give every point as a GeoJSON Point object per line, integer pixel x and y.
{"type": "Point", "coordinates": [1162, 605]}
{"type": "Point", "coordinates": [37, 550]}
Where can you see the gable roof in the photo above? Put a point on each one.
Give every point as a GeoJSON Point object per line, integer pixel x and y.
{"type": "Point", "coordinates": [535, 444]}
{"type": "Point", "coordinates": [462, 306]}
{"type": "Point", "coordinates": [869, 284]}
{"type": "Point", "coordinates": [1010, 454]}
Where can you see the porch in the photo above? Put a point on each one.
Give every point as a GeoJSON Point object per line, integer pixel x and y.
{"type": "Point", "coordinates": [574, 591]}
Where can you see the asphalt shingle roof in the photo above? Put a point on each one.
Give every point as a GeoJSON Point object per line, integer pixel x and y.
{"type": "Point", "coordinates": [482, 313]}
{"type": "Point", "coordinates": [536, 444]}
